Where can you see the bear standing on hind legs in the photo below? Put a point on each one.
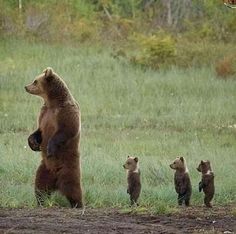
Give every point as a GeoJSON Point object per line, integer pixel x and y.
{"type": "Point", "coordinates": [133, 179]}
{"type": "Point", "coordinates": [58, 138]}
{"type": "Point", "coordinates": [207, 182]}
{"type": "Point", "coordinates": [182, 181]}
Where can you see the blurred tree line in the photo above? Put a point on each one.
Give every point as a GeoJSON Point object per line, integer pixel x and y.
{"type": "Point", "coordinates": [175, 25]}
{"type": "Point", "coordinates": [197, 18]}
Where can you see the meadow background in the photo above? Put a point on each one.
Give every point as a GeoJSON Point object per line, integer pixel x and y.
{"type": "Point", "coordinates": [147, 86]}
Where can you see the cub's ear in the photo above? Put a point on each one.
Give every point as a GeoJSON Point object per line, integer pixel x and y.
{"type": "Point", "coordinates": [48, 72]}
{"type": "Point", "coordinates": [202, 162]}
{"type": "Point", "coordinates": [182, 159]}
{"type": "Point", "coordinates": [128, 156]}
{"type": "Point", "coordinates": [136, 159]}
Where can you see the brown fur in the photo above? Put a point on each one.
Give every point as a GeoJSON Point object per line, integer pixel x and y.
{"type": "Point", "coordinates": [182, 181]}
{"type": "Point", "coordinates": [207, 182]}
{"type": "Point", "coordinates": [233, 2]}
{"type": "Point", "coordinates": [133, 179]}
{"type": "Point", "coordinates": [58, 138]}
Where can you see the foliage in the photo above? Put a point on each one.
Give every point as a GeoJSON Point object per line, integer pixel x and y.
{"type": "Point", "coordinates": [202, 53]}
{"type": "Point", "coordinates": [155, 50]}
{"type": "Point", "coordinates": [226, 67]}
{"type": "Point", "coordinates": [195, 20]}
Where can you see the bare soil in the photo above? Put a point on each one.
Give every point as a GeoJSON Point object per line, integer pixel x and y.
{"type": "Point", "coordinates": [65, 220]}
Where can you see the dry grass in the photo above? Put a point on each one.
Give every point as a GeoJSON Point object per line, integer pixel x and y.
{"type": "Point", "coordinates": [226, 67]}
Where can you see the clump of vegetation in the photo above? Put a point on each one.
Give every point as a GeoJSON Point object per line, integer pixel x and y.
{"type": "Point", "coordinates": [154, 51]}
{"type": "Point", "coordinates": [116, 20]}
{"type": "Point", "coordinates": [226, 67]}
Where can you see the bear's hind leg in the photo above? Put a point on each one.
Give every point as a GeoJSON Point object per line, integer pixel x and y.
{"type": "Point", "coordinates": [187, 202]}
{"type": "Point", "coordinates": [180, 199]}
{"type": "Point", "coordinates": [73, 193]}
{"type": "Point", "coordinates": [69, 185]}
{"type": "Point", "coordinates": [207, 201]}
{"type": "Point", "coordinates": [134, 198]}
{"type": "Point", "coordinates": [187, 199]}
{"type": "Point", "coordinates": [75, 202]}
{"type": "Point", "coordinates": [45, 183]}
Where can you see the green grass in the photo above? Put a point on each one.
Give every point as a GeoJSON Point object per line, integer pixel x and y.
{"type": "Point", "coordinates": [155, 115]}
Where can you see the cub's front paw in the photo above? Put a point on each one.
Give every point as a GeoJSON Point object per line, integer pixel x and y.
{"type": "Point", "coordinates": [200, 186]}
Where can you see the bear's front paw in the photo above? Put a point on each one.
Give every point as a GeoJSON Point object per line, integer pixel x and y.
{"type": "Point", "coordinates": [33, 144]}
{"type": "Point", "coordinates": [51, 150]}
{"type": "Point", "coordinates": [200, 186]}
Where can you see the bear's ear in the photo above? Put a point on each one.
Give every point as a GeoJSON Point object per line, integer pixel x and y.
{"type": "Point", "coordinates": [48, 72]}
{"type": "Point", "coordinates": [182, 159]}
{"type": "Point", "coordinates": [202, 162]}
{"type": "Point", "coordinates": [136, 159]}
{"type": "Point", "coordinates": [128, 156]}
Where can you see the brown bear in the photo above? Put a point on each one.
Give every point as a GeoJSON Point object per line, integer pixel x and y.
{"type": "Point", "coordinates": [58, 138]}
{"type": "Point", "coordinates": [182, 180]}
{"type": "Point", "coordinates": [133, 178]}
{"type": "Point", "coordinates": [207, 182]}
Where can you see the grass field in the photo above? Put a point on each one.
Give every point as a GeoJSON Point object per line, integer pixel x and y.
{"type": "Point", "coordinates": [155, 115]}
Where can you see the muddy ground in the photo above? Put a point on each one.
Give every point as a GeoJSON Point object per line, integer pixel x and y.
{"type": "Point", "coordinates": [65, 220]}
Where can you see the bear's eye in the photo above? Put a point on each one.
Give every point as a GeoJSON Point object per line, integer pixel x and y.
{"type": "Point", "coordinates": [35, 82]}
{"type": "Point", "coordinates": [128, 163]}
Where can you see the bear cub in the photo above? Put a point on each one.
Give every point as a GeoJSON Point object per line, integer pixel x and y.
{"type": "Point", "coordinates": [182, 181]}
{"type": "Point", "coordinates": [207, 182]}
{"type": "Point", "coordinates": [133, 178]}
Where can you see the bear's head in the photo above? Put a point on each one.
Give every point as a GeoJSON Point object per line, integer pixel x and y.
{"type": "Point", "coordinates": [204, 166]}
{"type": "Point", "coordinates": [179, 164]}
{"type": "Point", "coordinates": [131, 164]}
{"type": "Point", "coordinates": [48, 85]}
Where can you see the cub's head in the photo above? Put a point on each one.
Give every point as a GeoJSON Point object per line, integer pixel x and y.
{"type": "Point", "coordinates": [204, 166]}
{"type": "Point", "coordinates": [179, 164]}
{"type": "Point", "coordinates": [131, 164]}
{"type": "Point", "coordinates": [46, 85]}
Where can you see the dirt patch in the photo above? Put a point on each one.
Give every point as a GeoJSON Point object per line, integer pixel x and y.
{"type": "Point", "coordinates": [65, 220]}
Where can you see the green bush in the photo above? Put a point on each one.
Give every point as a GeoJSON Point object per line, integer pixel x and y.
{"type": "Point", "coordinates": [155, 51]}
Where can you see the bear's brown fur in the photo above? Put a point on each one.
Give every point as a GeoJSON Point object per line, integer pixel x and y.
{"type": "Point", "coordinates": [182, 180]}
{"type": "Point", "coordinates": [133, 178]}
{"type": "Point", "coordinates": [58, 138]}
{"type": "Point", "coordinates": [207, 182]}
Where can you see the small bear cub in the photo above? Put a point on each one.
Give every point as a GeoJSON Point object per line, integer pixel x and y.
{"type": "Point", "coordinates": [207, 182]}
{"type": "Point", "coordinates": [182, 180]}
{"type": "Point", "coordinates": [133, 178]}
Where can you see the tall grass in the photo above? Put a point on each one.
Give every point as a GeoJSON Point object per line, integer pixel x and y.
{"type": "Point", "coordinates": [155, 115]}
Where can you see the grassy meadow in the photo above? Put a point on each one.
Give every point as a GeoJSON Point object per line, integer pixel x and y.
{"type": "Point", "coordinates": [126, 110]}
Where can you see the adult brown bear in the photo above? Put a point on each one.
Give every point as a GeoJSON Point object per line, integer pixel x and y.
{"type": "Point", "coordinates": [58, 138]}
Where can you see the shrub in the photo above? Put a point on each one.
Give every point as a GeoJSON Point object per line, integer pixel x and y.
{"type": "Point", "coordinates": [203, 53]}
{"type": "Point", "coordinates": [155, 51]}
{"type": "Point", "coordinates": [226, 67]}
